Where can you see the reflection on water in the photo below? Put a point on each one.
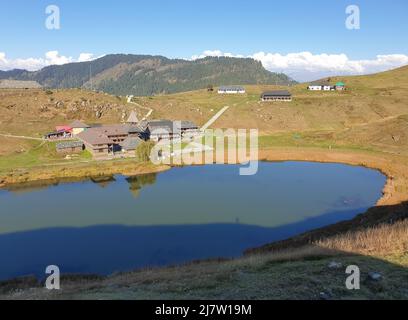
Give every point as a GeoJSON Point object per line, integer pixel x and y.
{"type": "Point", "coordinates": [138, 182]}
{"type": "Point", "coordinates": [107, 224]}
{"type": "Point", "coordinates": [103, 181]}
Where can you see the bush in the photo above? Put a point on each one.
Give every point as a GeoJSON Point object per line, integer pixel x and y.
{"type": "Point", "coordinates": [143, 151]}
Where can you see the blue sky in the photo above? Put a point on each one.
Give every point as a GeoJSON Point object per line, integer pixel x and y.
{"type": "Point", "coordinates": [183, 28]}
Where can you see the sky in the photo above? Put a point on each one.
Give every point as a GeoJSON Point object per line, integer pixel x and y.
{"type": "Point", "coordinates": [304, 39]}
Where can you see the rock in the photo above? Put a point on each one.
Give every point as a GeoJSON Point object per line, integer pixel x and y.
{"type": "Point", "coordinates": [59, 104]}
{"type": "Point", "coordinates": [375, 276]}
{"type": "Point", "coordinates": [44, 109]}
{"type": "Point", "coordinates": [334, 265]}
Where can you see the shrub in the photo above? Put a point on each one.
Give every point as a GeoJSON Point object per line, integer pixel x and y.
{"type": "Point", "coordinates": [143, 151]}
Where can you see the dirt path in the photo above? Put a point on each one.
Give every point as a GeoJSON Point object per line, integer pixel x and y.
{"type": "Point", "coordinates": [214, 118]}
{"type": "Point", "coordinates": [149, 111]}
{"type": "Point", "coordinates": [20, 137]}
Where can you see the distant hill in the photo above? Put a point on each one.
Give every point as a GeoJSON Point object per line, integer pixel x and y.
{"type": "Point", "coordinates": [18, 84]}
{"type": "Point", "coordinates": [144, 75]}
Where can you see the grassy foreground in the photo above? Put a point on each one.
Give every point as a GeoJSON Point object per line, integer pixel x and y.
{"type": "Point", "coordinates": [316, 271]}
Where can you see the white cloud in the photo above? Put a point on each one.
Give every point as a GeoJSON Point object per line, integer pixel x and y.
{"type": "Point", "coordinates": [53, 57]}
{"type": "Point", "coordinates": [305, 66]}
{"type": "Point", "coordinates": [302, 66]}
{"type": "Point", "coordinates": [215, 53]}
{"type": "Point", "coordinates": [32, 64]}
{"type": "Point", "coordinates": [83, 57]}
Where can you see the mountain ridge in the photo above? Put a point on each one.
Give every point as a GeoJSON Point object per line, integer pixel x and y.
{"type": "Point", "coordinates": [147, 75]}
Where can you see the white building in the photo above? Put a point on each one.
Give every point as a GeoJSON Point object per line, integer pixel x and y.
{"type": "Point", "coordinates": [231, 90]}
{"type": "Point", "coordinates": [318, 86]}
{"type": "Point", "coordinates": [328, 88]}
{"type": "Point", "coordinates": [314, 87]}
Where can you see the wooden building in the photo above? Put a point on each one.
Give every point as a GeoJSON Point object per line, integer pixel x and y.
{"type": "Point", "coordinates": [98, 144]}
{"type": "Point", "coordinates": [188, 129]}
{"type": "Point", "coordinates": [70, 147]}
{"type": "Point", "coordinates": [130, 144]}
{"type": "Point", "coordinates": [107, 140]}
{"type": "Point", "coordinates": [159, 130]}
{"type": "Point", "coordinates": [279, 95]}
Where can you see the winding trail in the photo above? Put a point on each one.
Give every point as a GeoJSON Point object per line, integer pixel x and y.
{"type": "Point", "coordinates": [148, 114]}
{"type": "Point", "coordinates": [20, 137]}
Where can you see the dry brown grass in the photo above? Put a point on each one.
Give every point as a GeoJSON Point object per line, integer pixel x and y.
{"type": "Point", "coordinates": [34, 112]}
{"type": "Point", "coordinates": [380, 241]}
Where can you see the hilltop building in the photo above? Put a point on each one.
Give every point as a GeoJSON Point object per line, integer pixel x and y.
{"type": "Point", "coordinates": [340, 86]}
{"type": "Point", "coordinates": [278, 95]}
{"type": "Point", "coordinates": [321, 86]}
{"type": "Point", "coordinates": [326, 86]}
{"type": "Point", "coordinates": [231, 90]}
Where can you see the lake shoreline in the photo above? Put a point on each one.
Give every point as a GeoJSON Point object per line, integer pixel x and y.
{"type": "Point", "coordinates": [395, 190]}
{"type": "Point", "coordinates": [394, 197]}
{"type": "Point", "coordinates": [391, 166]}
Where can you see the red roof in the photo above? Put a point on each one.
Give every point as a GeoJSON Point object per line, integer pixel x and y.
{"type": "Point", "coordinates": [63, 128]}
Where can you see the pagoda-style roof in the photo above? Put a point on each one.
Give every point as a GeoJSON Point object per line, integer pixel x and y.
{"type": "Point", "coordinates": [133, 118]}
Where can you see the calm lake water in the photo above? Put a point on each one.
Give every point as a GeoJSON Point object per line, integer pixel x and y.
{"type": "Point", "coordinates": [124, 223]}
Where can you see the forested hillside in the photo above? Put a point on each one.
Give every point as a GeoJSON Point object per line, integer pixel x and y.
{"type": "Point", "coordinates": [143, 75]}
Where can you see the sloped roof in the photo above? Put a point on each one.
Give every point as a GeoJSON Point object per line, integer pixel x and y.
{"type": "Point", "coordinates": [165, 125]}
{"type": "Point", "coordinates": [133, 118]}
{"type": "Point", "coordinates": [112, 130]}
{"type": "Point", "coordinates": [69, 144]}
{"type": "Point", "coordinates": [94, 137]}
{"type": "Point", "coordinates": [320, 83]}
{"type": "Point", "coordinates": [340, 84]}
{"type": "Point", "coordinates": [79, 124]}
{"type": "Point", "coordinates": [135, 129]}
{"type": "Point", "coordinates": [277, 93]}
{"type": "Point", "coordinates": [131, 143]}
{"type": "Point", "coordinates": [232, 88]}
{"type": "Point", "coordinates": [185, 125]}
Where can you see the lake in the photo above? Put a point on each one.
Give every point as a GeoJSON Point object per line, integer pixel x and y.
{"type": "Point", "coordinates": [102, 226]}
